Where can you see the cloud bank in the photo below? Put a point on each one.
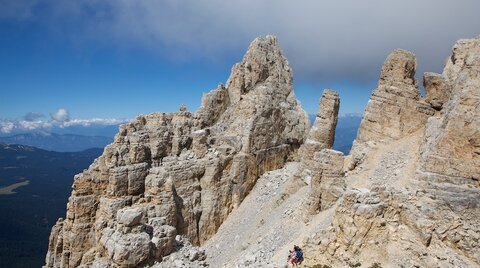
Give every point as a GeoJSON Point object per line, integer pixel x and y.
{"type": "Point", "coordinates": [324, 40]}
{"type": "Point", "coordinates": [33, 121]}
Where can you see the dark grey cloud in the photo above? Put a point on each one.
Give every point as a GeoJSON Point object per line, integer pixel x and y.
{"type": "Point", "coordinates": [33, 116]}
{"type": "Point", "coordinates": [324, 40]}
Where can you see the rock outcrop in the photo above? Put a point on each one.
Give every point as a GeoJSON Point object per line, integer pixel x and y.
{"type": "Point", "coordinates": [322, 132]}
{"type": "Point", "coordinates": [321, 167]}
{"type": "Point", "coordinates": [395, 108]}
{"type": "Point", "coordinates": [437, 90]}
{"type": "Point", "coordinates": [169, 174]}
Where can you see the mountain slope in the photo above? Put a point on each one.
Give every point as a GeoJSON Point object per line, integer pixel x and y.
{"type": "Point", "coordinates": [29, 211]}
{"type": "Point", "coordinates": [58, 142]}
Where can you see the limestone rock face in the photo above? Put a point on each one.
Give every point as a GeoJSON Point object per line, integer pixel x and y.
{"type": "Point", "coordinates": [328, 182]}
{"type": "Point", "coordinates": [320, 166]}
{"type": "Point", "coordinates": [182, 173]}
{"type": "Point", "coordinates": [410, 198]}
{"type": "Point", "coordinates": [452, 144]}
{"type": "Point", "coordinates": [449, 168]}
{"type": "Point", "coordinates": [395, 108]}
{"type": "Point", "coordinates": [323, 130]}
{"type": "Point", "coordinates": [437, 89]}
{"type": "Point", "coordinates": [408, 195]}
{"type": "Point", "coordinates": [322, 134]}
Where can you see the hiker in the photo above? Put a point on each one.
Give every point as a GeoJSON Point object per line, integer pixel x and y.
{"type": "Point", "coordinates": [298, 254]}
{"type": "Point", "coordinates": [292, 258]}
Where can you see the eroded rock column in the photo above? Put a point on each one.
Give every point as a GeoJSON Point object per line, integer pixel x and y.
{"type": "Point", "coordinates": [322, 167]}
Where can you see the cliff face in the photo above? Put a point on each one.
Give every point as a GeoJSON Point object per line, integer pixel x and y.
{"type": "Point", "coordinates": [182, 173]}
{"type": "Point", "coordinates": [449, 166]}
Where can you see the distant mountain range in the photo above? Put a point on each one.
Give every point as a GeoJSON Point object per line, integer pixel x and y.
{"type": "Point", "coordinates": [58, 142]}
{"type": "Point", "coordinates": [346, 131]}
{"type": "Point", "coordinates": [34, 189]}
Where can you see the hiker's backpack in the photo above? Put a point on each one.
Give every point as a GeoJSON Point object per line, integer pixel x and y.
{"type": "Point", "coordinates": [300, 255]}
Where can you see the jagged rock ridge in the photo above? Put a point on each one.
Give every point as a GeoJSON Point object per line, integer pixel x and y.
{"type": "Point", "coordinates": [169, 174]}
{"type": "Point", "coordinates": [406, 196]}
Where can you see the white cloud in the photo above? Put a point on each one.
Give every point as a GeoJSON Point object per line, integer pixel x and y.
{"type": "Point", "coordinates": [33, 125]}
{"type": "Point", "coordinates": [6, 126]}
{"type": "Point", "coordinates": [94, 121]}
{"type": "Point", "coordinates": [13, 126]}
{"type": "Point", "coordinates": [61, 115]}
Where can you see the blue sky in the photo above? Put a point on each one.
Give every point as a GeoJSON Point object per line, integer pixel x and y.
{"type": "Point", "coordinates": [118, 59]}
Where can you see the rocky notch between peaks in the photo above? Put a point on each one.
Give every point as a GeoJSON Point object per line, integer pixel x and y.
{"type": "Point", "coordinates": [407, 195]}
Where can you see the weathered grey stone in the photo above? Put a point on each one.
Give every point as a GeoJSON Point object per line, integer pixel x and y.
{"type": "Point", "coordinates": [328, 182]}
{"type": "Point", "coordinates": [129, 216]}
{"type": "Point", "coordinates": [395, 108]}
{"type": "Point", "coordinates": [415, 185]}
{"type": "Point", "coordinates": [322, 167]}
{"type": "Point", "coordinates": [437, 90]}
{"type": "Point", "coordinates": [322, 133]}
{"type": "Point", "coordinates": [410, 197]}
{"type": "Point", "coordinates": [126, 249]}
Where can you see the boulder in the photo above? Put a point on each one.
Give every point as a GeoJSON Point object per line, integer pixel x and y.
{"type": "Point", "coordinates": [130, 216]}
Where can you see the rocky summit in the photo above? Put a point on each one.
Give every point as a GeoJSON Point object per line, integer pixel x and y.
{"type": "Point", "coordinates": [240, 181]}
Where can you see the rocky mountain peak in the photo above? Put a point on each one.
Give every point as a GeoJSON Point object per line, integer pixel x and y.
{"type": "Point", "coordinates": [263, 62]}
{"type": "Point", "coordinates": [395, 108]}
{"type": "Point", "coordinates": [169, 174]}
{"type": "Point", "coordinates": [398, 74]}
